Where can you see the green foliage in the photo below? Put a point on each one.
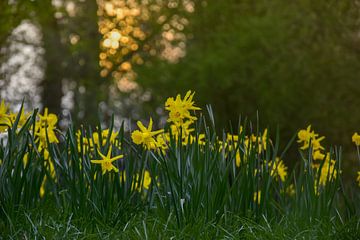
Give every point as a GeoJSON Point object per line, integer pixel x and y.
{"type": "Point", "coordinates": [196, 183]}
{"type": "Point", "coordinates": [20, 179]}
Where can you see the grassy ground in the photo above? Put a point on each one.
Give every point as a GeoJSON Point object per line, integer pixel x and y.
{"type": "Point", "coordinates": [48, 223]}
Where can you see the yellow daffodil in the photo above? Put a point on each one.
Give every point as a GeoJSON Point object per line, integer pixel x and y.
{"type": "Point", "coordinates": [232, 138]}
{"type": "Point", "coordinates": [278, 169]}
{"type": "Point", "coordinates": [262, 140]}
{"type": "Point", "coordinates": [4, 117]}
{"type": "Point", "coordinates": [356, 139]}
{"type": "Point", "coordinates": [87, 143]}
{"type": "Point", "coordinates": [42, 188]}
{"type": "Point", "coordinates": [358, 178]}
{"type": "Point", "coordinates": [179, 109]}
{"type": "Point", "coordinates": [315, 143]}
{"type": "Point", "coordinates": [48, 119]}
{"type": "Point", "coordinates": [26, 159]}
{"type": "Point", "coordinates": [145, 181]}
{"type": "Point", "coordinates": [145, 184]}
{"type": "Point", "coordinates": [146, 136]}
{"type": "Point", "coordinates": [305, 135]}
{"type": "Point", "coordinates": [317, 155]}
{"type": "Point", "coordinates": [22, 118]}
{"type": "Point", "coordinates": [41, 136]}
{"type": "Point", "coordinates": [3, 108]}
{"type": "Point", "coordinates": [162, 140]}
{"type": "Point", "coordinates": [184, 131]}
{"type": "Point", "coordinates": [237, 158]}
{"type": "Point", "coordinates": [201, 139]}
{"type": "Point", "coordinates": [104, 136]}
{"type": "Point", "coordinates": [106, 161]}
{"type": "Point", "coordinates": [257, 197]}
{"type": "Point", "coordinates": [328, 172]}
{"type": "Point", "coordinates": [45, 130]}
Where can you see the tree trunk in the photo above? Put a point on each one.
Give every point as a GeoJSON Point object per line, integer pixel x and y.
{"type": "Point", "coordinates": [54, 55]}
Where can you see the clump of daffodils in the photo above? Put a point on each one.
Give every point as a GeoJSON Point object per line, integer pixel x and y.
{"type": "Point", "coordinates": [44, 131]}
{"type": "Point", "coordinates": [44, 134]}
{"type": "Point", "coordinates": [7, 118]}
{"type": "Point", "coordinates": [180, 118]}
{"type": "Point", "coordinates": [45, 128]}
{"type": "Point", "coordinates": [180, 109]}
{"type": "Point", "coordinates": [90, 143]}
{"type": "Point", "coordinates": [257, 143]}
{"type": "Point", "coordinates": [322, 163]}
{"type": "Point", "coordinates": [108, 162]}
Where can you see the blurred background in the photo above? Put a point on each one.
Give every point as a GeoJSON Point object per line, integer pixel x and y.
{"type": "Point", "coordinates": [293, 62]}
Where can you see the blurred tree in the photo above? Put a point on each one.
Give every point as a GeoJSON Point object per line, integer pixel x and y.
{"type": "Point", "coordinates": [136, 33]}
{"type": "Point", "coordinates": [295, 63]}
{"type": "Point", "coordinates": [55, 55]}
{"type": "Point", "coordinates": [71, 44]}
{"type": "Point", "coordinates": [82, 38]}
{"type": "Point", "coordinates": [10, 16]}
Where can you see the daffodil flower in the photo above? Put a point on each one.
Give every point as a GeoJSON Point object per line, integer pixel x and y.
{"type": "Point", "coordinates": [4, 117]}
{"type": "Point", "coordinates": [48, 119]}
{"type": "Point", "coordinates": [356, 139]}
{"type": "Point", "coordinates": [106, 161]}
{"type": "Point", "coordinates": [278, 169]}
{"type": "Point", "coordinates": [317, 155]}
{"type": "Point", "coordinates": [146, 136]}
{"type": "Point", "coordinates": [179, 109]}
